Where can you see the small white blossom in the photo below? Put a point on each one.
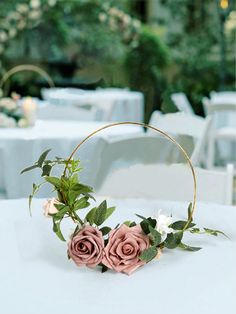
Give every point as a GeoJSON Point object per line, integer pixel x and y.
{"type": "Point", "coordinates": [3, 36]}
{"type": "Point", "coordinates": [35, 4]}
{"type": "Point", "coordinates": [52, 3]}
{"type": "Point", "coordinates": [162, 225]}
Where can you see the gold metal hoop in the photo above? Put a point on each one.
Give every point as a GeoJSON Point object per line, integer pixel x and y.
{"type": "Point", "coordinates": [182, 150]}
{"type": "Point", "coordinates": [26, 67]}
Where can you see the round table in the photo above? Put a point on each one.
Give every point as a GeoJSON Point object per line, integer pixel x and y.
{"type": "Point", "coordinates": [20, 148]}
{"type": "Point", "coordinates": [37, 278]}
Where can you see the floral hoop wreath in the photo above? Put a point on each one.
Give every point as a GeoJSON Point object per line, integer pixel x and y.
{"type": "Point", "coordinates": [127, 246]}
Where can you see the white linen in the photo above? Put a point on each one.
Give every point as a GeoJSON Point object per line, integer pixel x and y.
{"type": "Point", "coordinates": [20, 148]}
{"type": "Point", "coordinates": [37, 278]}
{"type": "Point", "coordinates": [116, 104]}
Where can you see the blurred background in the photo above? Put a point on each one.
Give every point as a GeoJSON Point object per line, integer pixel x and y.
{"type": "Point", "coordinates": [157, 47]}
{"type": "Point", "coordinates": [87, 63]}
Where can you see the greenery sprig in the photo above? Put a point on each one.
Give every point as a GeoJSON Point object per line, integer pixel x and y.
{"type": "Point", "coordinates": [92, 243]}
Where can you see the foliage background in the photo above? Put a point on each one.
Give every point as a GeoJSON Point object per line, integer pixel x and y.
{"type": "Point", "coordinates": [90, 43]}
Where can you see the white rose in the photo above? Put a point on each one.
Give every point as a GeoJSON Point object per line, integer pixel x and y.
{"type": "Point", "coordinates": [49, 207]}
{"type": "Point", "coordinates": [162, 225]}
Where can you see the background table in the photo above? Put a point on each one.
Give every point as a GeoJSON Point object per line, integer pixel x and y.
{"type": "Point", "coordinates": [37, 278]}
{"type": "Point", "coordinates": [116, 104]}
{"type": "Point", "coordinates": [20, 148]}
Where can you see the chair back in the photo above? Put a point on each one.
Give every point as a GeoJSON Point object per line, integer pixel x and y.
{"type": "Point", "coordinates": [182, 103]}
{"type": "Point", "coordinates": [169, 182]}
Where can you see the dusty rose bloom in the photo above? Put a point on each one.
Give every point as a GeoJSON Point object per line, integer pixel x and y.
{"type": "Point", "coordinates": [49, 207]}
{"type": "Point", "coordinates": [124, 247]}
{"type": "Point", "coordinates": [86, 247]}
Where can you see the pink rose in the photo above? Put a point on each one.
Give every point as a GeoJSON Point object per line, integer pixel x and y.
{"type": "Point", "coordinates": [86, 247]}
{"type": "Point", "coordinates": [124, 246]}
{"type": "Point", "coordinates": [49, 207]}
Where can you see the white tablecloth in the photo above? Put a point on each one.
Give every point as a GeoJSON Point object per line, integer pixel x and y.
{"type": "Point", "coordinates": [37, 278]}
{"type": "Point", "coordinates": [116, 104]}
{"type": "Point", "coordinates": [20, 148]}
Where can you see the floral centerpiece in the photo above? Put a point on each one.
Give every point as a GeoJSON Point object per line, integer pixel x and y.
{"type": "Point", "coordinates": [123, 248]}
{"type": "Point", "coordinates": [11, 114]}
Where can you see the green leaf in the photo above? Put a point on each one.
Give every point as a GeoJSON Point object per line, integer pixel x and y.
{"type": "Point", "coordinates": [104, 268]}
{"type": "Point", "coordinates": [155, 236]}
{"type": "Point", "coordinates": [102, 213]}
{"type": "Point", "coordinates": [57, 230]}
{"type": "Point", "coordinates": [81, 188]}
{"type": "Point", "coordinates": [46, 170]}
{"type": "Point", "coordinates": [179, 225]}
{"type": "Point", "coordinates": [148, 254]}
{"type": "Point", "coordinates": [109, 212]}
{"type": "Point", "coordinates": [42, 158]}
{"type": "Point", "coordinates": [91, 215]}
{"type": "Point", "coordinates": [81, 203]}
{"type": "Point", "coordinates": [62, 210]}
{"type": "Point", "coordinates": [34, 191]}
{"type": "Point", "coordinates": [54, 181]}
{"type": "Point", "coordinates": [189, 248]}
{"type": "Point", "coordinates": [146, 223]}
{"type": "Point", "coordinates": [29, 168]}
{"type": "Point", "coordinates": [105, 230]}
{"type": "Point", "coordinates": [215, 232]}
{"type": "Point", "coordinates": [173, 240]}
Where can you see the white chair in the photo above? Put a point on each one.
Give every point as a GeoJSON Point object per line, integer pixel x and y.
{"type": "Point", "coordinates": [68, 112]}
{"type": "Point", "coordinates": [222, 130]}
{"type": "Point", "coordinates": [181, 123]}
{"type": "Point", "coordinates": [169, 182]}
{"type": "Point", "coordinates": [182, 103]}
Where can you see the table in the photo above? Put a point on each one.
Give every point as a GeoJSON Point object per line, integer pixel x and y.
{"type": "Point", "coordinates": [37, 278]}
{"type": "Point", "coordinates": [116, 104]}
{"type": "Point", "coordinates": [20, 148]}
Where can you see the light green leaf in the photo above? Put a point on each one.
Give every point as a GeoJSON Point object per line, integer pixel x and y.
{"type": "Point", "coordinates": [81, 203]}
{"type": "Point", "coordinates": [214, 232]}
{"type": "Point", "coordinates": [91, 215]}
{"type": "Point", "coordinates": [54, 181]}
{"type": "Point", "coordinates": [189, 248]}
